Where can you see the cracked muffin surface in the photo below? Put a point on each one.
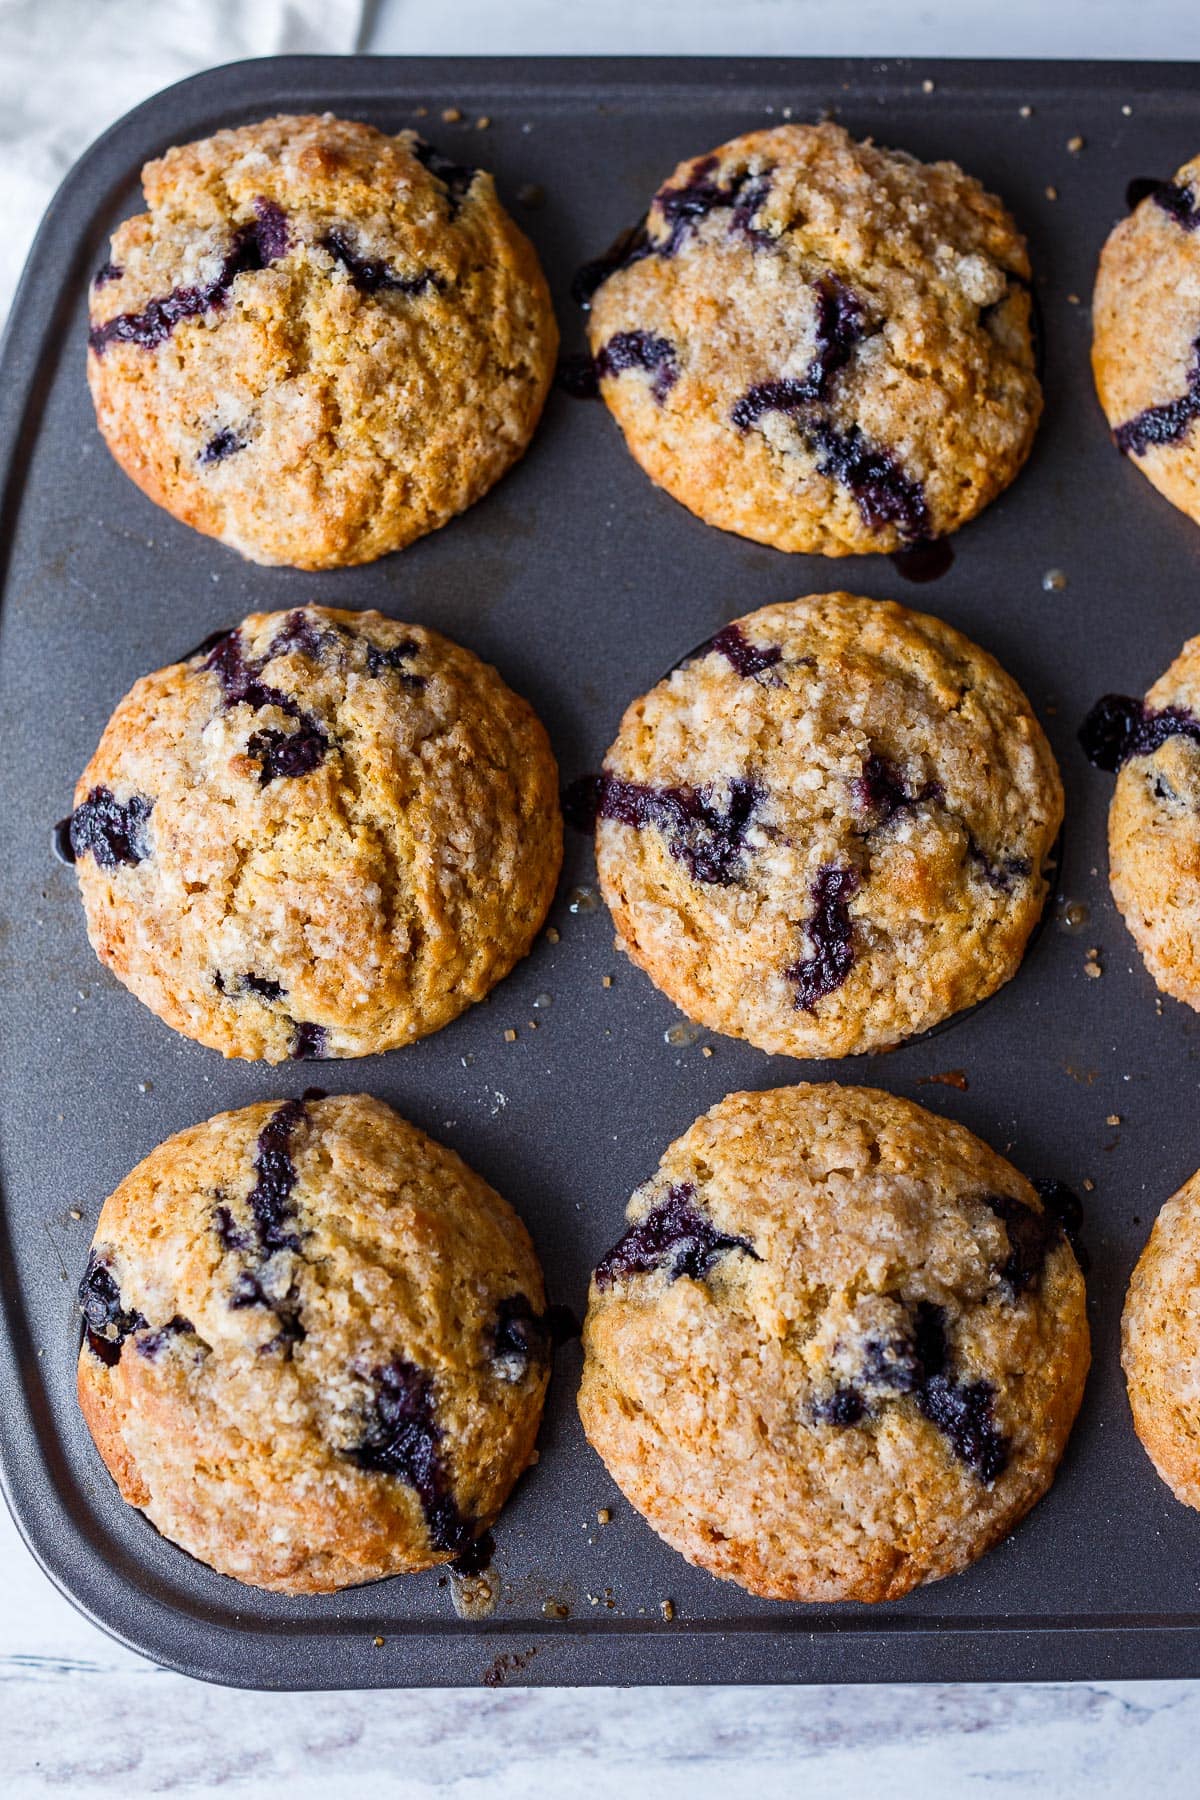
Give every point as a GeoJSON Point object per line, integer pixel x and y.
{"type": "Point", "coordinates": [1153, 746]}
{"type": "Point", "coordinates": [829, 829]}
{"type": "Point", "coordinates": [1160, 1344]}
{"type": "Point", "coordinates": [315, 1350]}
{"type": "Point", "coordinates": [319, 342]}
{"type": "Point", "coordinates": [1146, 337]}
{"type": "Point", "coordinates": [840, 1348]}
{"type": "Point", "coordinates": [820, 344]}
{"type": "Point", "coordinates": [325, 834]}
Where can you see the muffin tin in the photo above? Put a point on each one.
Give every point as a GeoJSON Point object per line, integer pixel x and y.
{"type": "Point", "coordinates": [583, 584]}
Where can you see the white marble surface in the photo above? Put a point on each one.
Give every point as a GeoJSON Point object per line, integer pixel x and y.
{"type": "Point", "coordinates": [80, 1714]}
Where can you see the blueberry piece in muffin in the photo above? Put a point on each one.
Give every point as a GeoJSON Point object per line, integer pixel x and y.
{"type": "Point", "coordinates": [1152, 746]}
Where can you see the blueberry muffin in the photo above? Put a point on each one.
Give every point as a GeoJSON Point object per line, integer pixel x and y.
{"type": "Point", "coordinates": [1146, 337]}
{"type": "Point", "coordinates": [829, 829]}
{"type": "Point", "coordinates": [1160, 1344]}
{"type": "Point", "coordinates": [324, 834]}
{"type": "Point", "coordinates": [315, 1349]}
{"type": "Point", "coordinates": [820, 344]}
{"type": "Point", "coordinates": [1153, 747]}
{"type": "Point", "coordinates": [320, 342]}
{"type": "Point", "coordinates": [840, 1348]}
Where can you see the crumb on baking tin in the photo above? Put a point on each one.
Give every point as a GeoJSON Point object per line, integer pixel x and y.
{"type": "Point", "coordinates": [927, 86]}
{"type": "Point", "coordinates": [482, 122]}
{"type": "Point", "coordinates": [1113, 1119]}
{"type": "Point", "coordinates": [604, 1515]}
{"type": "Point", "coordinates": [1025, 112]}
{"type": "Point", "coordinates": [1089, 1186]}
{"type": "Point", "coordinates": [378, 1643]}
{"type": "Point", "coordinates": [707, 1050]}
{"type": "Point", "coordinates": [1075, 144]}
{"type": "Point", "coordinates": [510, 1036]}
{"type": "Point", "coordinates": [1052, 193]}
{"type": "Point", "coordinates": [952, 1078]}
{"type": "Point", "coordinates": [667, 1607]}
{"type": "Point", "coordinates": [555, 1609]}
{"type": "Point", "coordinates": [451, 115]}
{"type": "Point", "coordinates": [553, 936]}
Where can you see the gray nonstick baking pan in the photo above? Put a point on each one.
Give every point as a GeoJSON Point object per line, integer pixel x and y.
{"type": "Point", "coordinates": [583, 584]}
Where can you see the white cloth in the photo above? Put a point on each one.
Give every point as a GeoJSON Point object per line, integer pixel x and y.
{"type": "Point", "coordinates": [70, 68]}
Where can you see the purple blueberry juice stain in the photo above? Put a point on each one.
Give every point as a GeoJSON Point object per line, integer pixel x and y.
{"type": "Point", "coordinates": [229, 1234]}
{"type": "Point", "coordinates": [108, 271]}
{"type": "Point", "coordinates": [674, 1235]}
{"type": "Point", "coordinates": [1002, 873]}
{"type": "Point", "coordinates": [379, 661]}
{"type": "Point", "coordinates": [520, 1339]}
{"type": "Point", "coordinates": [830, 930]}
{"type": "Point", "coordinates": [278, 753]}
{"type": "Point", "coordinates": [376, 277]}
{"type": "Point", "coordinates": [928, 560]}
{"type": "Point", "coordinates": [640, 350]}
{"type": "Point", "coordinates": [270, 1199]}
{"type": "Point", "coordinates": [1031, 1237]}
{"type": "Point", "coordinates": [263, 986]}
{"type": "Point", "coordinates": [107, 1323]}
{"type": "Point", "coordinates": [456, 178]}
{"type": "Point", "coordinates": [302, 635]}
{"type": "Point", "coordinates": [110, 830]}
{"type": "Point", "coordinates": [288, 753]}
{"type": "Point", "coordinates": [476, 1559]}
{"type": "Point", "coordinates": [1066, 1209]}
{"type": "Point", "coordinates": [576, 376]}
{"type": "Point", "coordinates": [844, 1406]}
{"type": "Point", "coordinates": [840, 325]}
{"type": "Point", "coordinates": [1176, 200]}
{"type": "Point", "coordinates": [921, 1364]}
{"type": "Point", "coordinates": [309, 1042]}
{"type": "Point", "coordinates": [254, 246]}
{"type": "Point", "coordinates": [1119, 727]}
{"type": "Point", "coordinates": [1166, 423]}
{"type": "Point", "coordinates": [222, 445]}
{"type": "Point", "coordinates": [749, 660]}
{"type": "Point", "coordinates": [883, 493]}
{"type": "Point", "coordinates": [402, 1438]}
{"type": "Point", "coordinates": [682, 208]}
{"type": "Point", "coordinates": [711, 843]}
{"type": "Point", "coordinates": [150, 1344]}
{"type": "Point", "coordinates": [248, 1291]}
{"type": "Point", "coordinates": [882, 791]}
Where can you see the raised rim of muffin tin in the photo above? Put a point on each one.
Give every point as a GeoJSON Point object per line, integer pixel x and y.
{"type": "Point", "coordinates": [202, 1624]}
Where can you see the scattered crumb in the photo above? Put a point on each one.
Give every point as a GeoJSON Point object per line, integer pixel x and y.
{"type": "Point", "coordinates": [707, 1050]}
{"type": "Point", "coordinates": [954, 1078]}
{"type": "Point", "coordinates": [482, 122]}
{"type": "Point", "coordinates": [1127, 111]}
{"type": "Point", "coordinates": [555, 1609]}
{"type": "Point", "coordinates": [75, 1213]}
{"type": "Point", "coordinates": [553, 936]}
{"type": "Point", "coordinates": [604, 1516]}
{"type": "Point", "coordinates": [1113, 1119]}
{"type": "Point", "coordinates": [510, 1036]}
{"type": "Point", "coordinates": [145, 1087]}
{"type": "Point", "coordinates": [1025, 112]}
{"type": "Point", "coordinates": [1158, 1008]}
{"type": "Point", "coordinates": [1052, 193]}
{"type": "Point", "coordinates": [451, 115]}
{"type": "Point", "coordinates": [532, 1024]}
{"type": "Point", "coordinates": [1075, 144]}
{"type": "Point", "coordinates": [667, 1607]}
{"type": "Point", "coordinates": [1072, 299]}
{"type": "Point", "coordinates": [1089, 1186]}
{"type": "Point", "coordinates": [926, 88]}
{"type": "Point", "coordinates": [1092, 969]}
{"type": "Point", "coordinates": [606, 981]}
{"type": "Point", "coordinates": [378, 1643]}
{"type": "Point", "coordinates": [420, 112]}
